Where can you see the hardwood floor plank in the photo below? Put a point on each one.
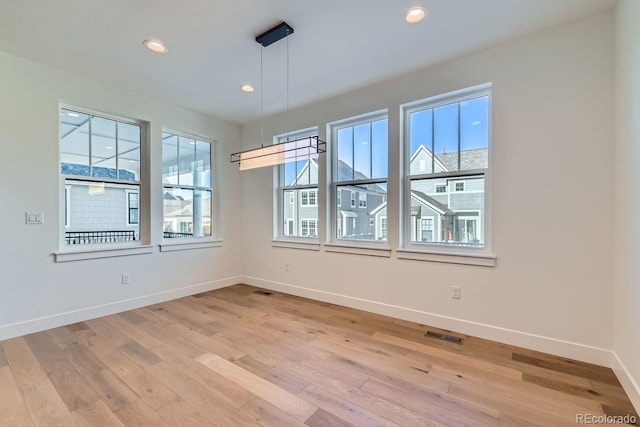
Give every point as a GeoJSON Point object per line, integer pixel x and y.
{"type": "Point", "coordinates": [43, 402]}
{"type": "Point", "coordinates": [181, 414]}
{"type": "Point", "coordinates": [267, 414]}
{"type": "Point", "coordinates": [322, 418]}
{"type": "Point", "coordinates": [139, 414]}
{"type": "Point", "coordinates": [13, 411]}
{"type": "Point", "coordinates": [97, 414]}
{"type": "Point", "coordinates": [343, 409]}
{"type": "Point", "coordinates": [243, 356]}
{"type": "Point", "coordinates": [287, 402]}
{"type": "Point", "coordinates": [199, 397]}
{"type": "Point", "coordinates": [112, 391]}
{"type": "Point", "coordinates": [3, 358]}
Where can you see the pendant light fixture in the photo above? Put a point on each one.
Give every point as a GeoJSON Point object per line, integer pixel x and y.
{"type": "Point", "coordinates": [288, 151]}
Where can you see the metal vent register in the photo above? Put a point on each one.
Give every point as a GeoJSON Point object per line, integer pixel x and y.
{"type": "Point", "coordinates": [443, 337]}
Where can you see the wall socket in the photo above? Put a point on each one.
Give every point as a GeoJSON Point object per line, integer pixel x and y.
{"type": "Point", "coordinates": [126, 278]}
{"type": "Point", "coordinates": [456, 292]}
{"type": "Point", "coordinates": [286, 267]}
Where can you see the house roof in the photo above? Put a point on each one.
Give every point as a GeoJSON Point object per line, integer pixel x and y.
{"type": "Point", "coordinates": [431, 202]}
{"type": "Point", "coordinates": [477, 158]}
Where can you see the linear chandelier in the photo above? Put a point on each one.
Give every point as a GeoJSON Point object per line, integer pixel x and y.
{"type": "Point", "coordinates": [288, 151]}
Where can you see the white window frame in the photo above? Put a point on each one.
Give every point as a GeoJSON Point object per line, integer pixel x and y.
{"type": "Point", "coordinates": [196, 241]}
{"type": "Point", "coordinates": [455, 186]}
{"type": "Point", "coordinates": [105, 250]}
{"type": "Point", "coordinates": [336, 243]}
{"type": "Point", "coordinates": [434, 252]}
{"type": "Point", "coordinates": [311, 194]}
{"type": "Point", "coordinates": [442, 186]}
{"type": "Point", "coordinates": [281, 224]}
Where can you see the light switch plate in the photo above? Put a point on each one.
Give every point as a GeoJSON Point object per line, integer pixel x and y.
{"type": "Point", "coordinates": [32, 217]}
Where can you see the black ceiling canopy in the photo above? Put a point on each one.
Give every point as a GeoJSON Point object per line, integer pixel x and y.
{"type": "Point", "coordinates": [274, 34]}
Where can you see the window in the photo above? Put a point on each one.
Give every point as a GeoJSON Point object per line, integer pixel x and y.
{"type": "Point", "coordinates": [309, 227]}
{"type": "Point", "coordinates": [360, 165]}
{"type": "Point", "coordinates": [186, 186]}
{"type": "Point", "coordinates": [362, 200]}
{"type": "Point", "coordinates": [447, 140]}
{"type": "Point", "coordinates": [339, 198]}
{"type": "Point", "coordinates": [100, 160]}
{"type": "Point", "coordinates": [133, 208]}
{"type": "Point", "coordinates": [309, 197]}
{"type": "Point", "coordinates": [298, 184]}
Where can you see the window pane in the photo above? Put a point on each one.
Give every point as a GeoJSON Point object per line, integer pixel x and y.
{"type": "Point", "coordinates": [201, 213]}
{"type": "Point", "coordinates": [186, 156]}
{"type": "Point", "coordinates": [474, 133]}
{"type": "Point", "coordinates": [367, 202]}
{"type": "Point", "coordinates": [103, 147]}
{"type": "Point", "coordinates": [300, 208]}
{"type": "Point", "coordinates": [98, 213]}
{"type": "Point", "coordinates": [203, 164]}
{"type": "Point", "coordinates": [169, 159]}
{"type": "Point", "coordinates": [446, 137]}
{"type": "Point", "coordinates": [345, 154]}
{"type": "Point", "coordinates": [421, 141]}
{"type": "Point", "coordinates": [74, 143]}
{"type": "Point", "coordinates": [362, 151]}
{"type": "Point", "coordinates": [455, 218]}
{"type": "Point", "coordinates": [178, 212]}
{"type": "Point", "coordinates": [380, 149]}
{"type": "Point", "coordinates": [128, 152]}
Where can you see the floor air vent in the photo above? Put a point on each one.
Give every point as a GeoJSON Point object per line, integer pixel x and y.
{"type": "Point", "coordinates": [443, 337]}
{"type": "Point", "coordinates": [263, 293]}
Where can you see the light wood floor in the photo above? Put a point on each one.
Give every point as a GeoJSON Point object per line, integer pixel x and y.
{"type": "Point", "coordinates": [238, 356]}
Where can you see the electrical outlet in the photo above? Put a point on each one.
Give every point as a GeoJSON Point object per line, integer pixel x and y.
{"type": "Point", "coordinates": [456, 292]}
{"type": "Point", "coordinates": [286, 267]}
{"type": "Point", "coordinates": [126, 278]}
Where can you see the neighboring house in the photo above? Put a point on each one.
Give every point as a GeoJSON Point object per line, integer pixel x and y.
{"type": "Point", "coordinates": [354, 221]}
{"type": "Point", "coordinates": [444, 210]}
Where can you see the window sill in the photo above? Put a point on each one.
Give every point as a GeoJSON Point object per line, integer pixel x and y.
{"type": "Point", "coordinates": [101, 252]}
{"type": "Point", "coordinates": [294, 244]}
{"type": "Point", "coordinates": [186, 245]}
{"type": "Point", "coordinates": [447, 257]}
{"type": "Point", "coordinates": [384, 252]}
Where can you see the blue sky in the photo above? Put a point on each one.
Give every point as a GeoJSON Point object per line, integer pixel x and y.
{"type": "Point", "coordinates": [365, 147]}
{"type": "Point", "coordinates": [474, 126]}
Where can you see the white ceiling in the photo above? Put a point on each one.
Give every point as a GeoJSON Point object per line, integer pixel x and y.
{"type": "Point", "coordinates": [337, 45]}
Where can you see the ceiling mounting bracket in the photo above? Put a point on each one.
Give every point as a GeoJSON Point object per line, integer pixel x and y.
{"type": "Point", "coordinates": [274, 34]}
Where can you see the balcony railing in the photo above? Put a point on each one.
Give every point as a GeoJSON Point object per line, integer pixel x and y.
{"type": "Point", "coordinates": [89, 237]}
{"type": "Point", "coordinates": [173, 235]}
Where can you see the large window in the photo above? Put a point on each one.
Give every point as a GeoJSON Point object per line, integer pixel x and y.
{"type": "Point", "coordinates": [360, 165]}
{"type": "Point", "coordinates": [100, 160]}
{"type": "Point", "coordinates": [297, 193]}
{"type": "Point", "coordinates": [187, 186]}
{"type": "Point", "coordinates": [447, 145]}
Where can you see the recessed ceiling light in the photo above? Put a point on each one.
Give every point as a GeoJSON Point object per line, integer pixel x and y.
{"type": "Point", "coordinates": [415, 14]}
{"type": "Point", "coordinates": [247, 88]}
{"type": "Point", "coordinates": [156, 46]}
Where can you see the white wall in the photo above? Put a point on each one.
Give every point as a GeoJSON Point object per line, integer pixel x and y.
{"type": "Point", "coordinates": [37, 293]}
{"type": "Point", "coordinates": [627, 195]}
{"type": "Point", "coordinates": [552, 201]}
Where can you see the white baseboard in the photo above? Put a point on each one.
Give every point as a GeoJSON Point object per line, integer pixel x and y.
{"type": "Point", "coordinates": [572, 350]}
{"type": "Point", "coordinates": [40, 324]}
{"type": "Point", "coordinates": [630, 386]}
